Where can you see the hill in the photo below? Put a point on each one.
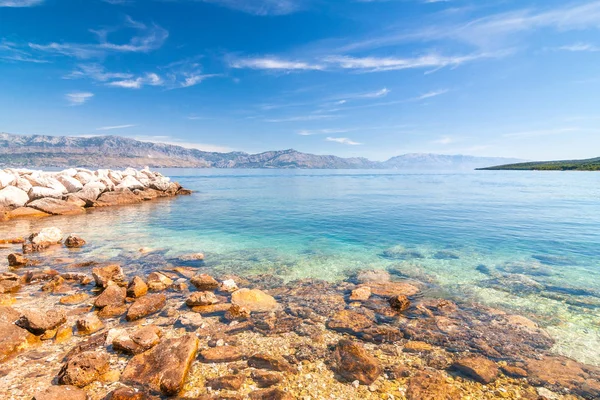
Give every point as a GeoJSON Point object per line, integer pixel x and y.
{"type": "Point", "coordinates": [592, 164]}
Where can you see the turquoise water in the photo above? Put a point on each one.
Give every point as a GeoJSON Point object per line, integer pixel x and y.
{"type": "Point", "coordinates": [524, 242]}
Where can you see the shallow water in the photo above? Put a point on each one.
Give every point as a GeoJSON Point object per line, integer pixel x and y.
{"type": "Point", "coordinates": [524, 242]}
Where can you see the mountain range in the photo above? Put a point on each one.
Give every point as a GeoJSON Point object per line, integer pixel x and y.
{"type": "Point", "coordinates": [38, 151]}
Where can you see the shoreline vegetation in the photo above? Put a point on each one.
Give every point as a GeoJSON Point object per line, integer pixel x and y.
{"type": "Point", "coordinates": [592, 164]}
{"type": "Point", "coordinates": [35, 194]}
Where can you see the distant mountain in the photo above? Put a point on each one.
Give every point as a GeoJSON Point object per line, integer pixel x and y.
{"type": "Point", "coordinates": [36, 151]}
{"type": "Point", "coordinates": [592, 164]}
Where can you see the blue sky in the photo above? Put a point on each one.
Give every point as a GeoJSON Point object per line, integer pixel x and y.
{"type": "Point", "coordinates": [372, 78]}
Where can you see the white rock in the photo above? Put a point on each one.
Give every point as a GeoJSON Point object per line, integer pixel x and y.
{"type": "Point", "coordinates": [71, 184]}
{"type": "Point", "coordinates": [84, 177]}
{"type": "Point", "coordinates": [47, 235]}
{"type": "Point", "coordinates": [89, 194]}
{"type": "Point", "coordinates": [130, 172]}
{"type": "Point", "coordinates": [160, 183]}
{"type": "Point", "coordinates": [6, 179]}
{"type": "Point", "coordinates": [95, 185]}
{"type": "Point", "coordinates": [115, 176]}
{"type": "Point", "coordinates": [23, 184]}
{"type": "Point", "coordinates": [38, 192]}
{"type": "Point", "coordinates": [69, 172]}
{"type": "Point", "coordinates": [129, 182]}
{"type": "Point", "coordinates": [228, 286]}
{"type": "Point", "coordinates": [12, 196]}
{"type": "Point", "coordinates": [108, 183]}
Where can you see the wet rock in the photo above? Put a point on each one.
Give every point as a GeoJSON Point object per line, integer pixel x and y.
{"type": "Point", "coordinates": [74, 241]}
{"type": "Point", "coordinates": [191, 319]}
{"type": "Point", "coordinates": [9, 286]}
{"type": "Point", "coordinates": [265, 379]}
{"type": "Point", "coordinates": [361, 294]}
{"type": "Point", "coordinates": [270, 394]}
{"type": "Point", "coordinates": [113, 310]}
{"type": "Point", "coordinates": [479, 368]}
{"type": "Point", "coordinates": [63, 334]}
{"type": "Point", "coordinates": [125, 393]}
{"type": "Point", "coordinates": [201, 299]}
{"type": "Point", "coordinates": [254, 300]}
{"type": "Point", "coordinates": [164, 367]}
{"type": "Point", "coordinates": [222, 354]}
{"type": "Point", "coordinates": [213, 309]}
{"type": "Point", "coordinates": [56, 206]}
{"type": "Point", "coordinates": [431, 385]}
{"type": "Point", "coordinates": [390, 289]}
{"type": "Point", "coordinates": [38, 322]}
{"type": "Point", "coordinates": [84, 368]}
{"type": "Point", "coordinates": [103, 275]}
{"type": "Point", "coordinates": [26, 212]}
{"type": "Point", "coordinates": [158, 282]}
{"type": "Point", "coordinates": [137, 287]}
{"type": "Point", "coordinates": [12, 196]}
{"type": "Point", "coordinates": [312, 298]}
{"type": "Point", "coordinates": [398, 371]}
{"type": "Point", "coordinates": [400, 303]}
{"type": "Point", "coordinates": [354, 363]}
{"type": "Point", "coordinates": [146, 305]}
{"type": "Point", "coordinates": [272, 363]}
{"type": "Point", "coordinates": [123, 197]}
{"type": "Point", "coordinates": [61, 393]}
{"type": "Point", "coordinates": [139, 341]}
{"type": "Point", "coordinates": [13, 339]}
{"type": "Point", "coordinates": [275, 322]}
{"type": "Point", "coordinates": [89, 324]}
{"type": "Point", "coordinates": [50, 235]}
{"type": "Point", "coordinates": [556, 372]}
{"type": "Point", "coordinates": [228, 286]}
{"type": "Point", "coordinates": [55, 285]}
{"type": "Point", "coordinates": [347, 321]}
{"type": "Point", "coordinates": [513, 371]}
{"type": "Point", "coordinates": [17, 260]}
{"type": "Point", "coordinates": [237, 313]}
{"type": "Point", "coordinates": [113, 295]}
{"type": "Point", "coordinates": [76, 298]}
{"type": "Point", "coordinates": [417, 347]}
{"type": "Point", "coordinates": [379, 275]}
{"type": "Point", "coordinates": [227, 382]}
{"type": "Point", "coordinates": [204, 282]}
{"type": "Point", "coordinates": [445, 255]}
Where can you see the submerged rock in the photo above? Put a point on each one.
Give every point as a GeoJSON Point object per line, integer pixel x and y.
{"type": "Point", "coordinates": [17, 260]}
{"type": "Point", "coordinates": [84, 368]}
{"type": "Point", "coordinates": [254, 300]}
{"type": "Point", "coordinates": [479, 368]}
{"type": "Point", "coordinates": [354, 363]}
{"type": "Point", "coordinates": [38, 322]}
{"type": "Point", "coordinates": [74, 241]}
{"type": "Point", "coordinates": [139, 341]}
{"type": "Point", "coordinates": [361, 294]}
{"type": "Point", "coordinates": [226, 382]}
{"type": "Point", "coordinates": [13, 339]}
{"type": "Point", "coordinates": [349, 322]}
{"type": "Point", "coordinates": [158, 282]}
{"type": "Point", "coordinates": [201, 299]}
{"type": "Point", "coordinates": [431, 385]}
{"type": "Point", "coordinates": [272, 363]}
{"type": "Point", "coordinates": [104, 275]}
{"type": "Point", "coordinates": [165, 367]}
{"type": "Point", "coordinates": [222, 354]}
{"type": "Point", "coordinates": [265, 379]}
{"type": "Point", "coordinates": [400, 303]}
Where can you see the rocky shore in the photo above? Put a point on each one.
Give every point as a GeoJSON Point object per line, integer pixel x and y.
{"type": "Point", "coordinates": [33, 194]}
{"type": "Point", "coordinates": [99, 330]}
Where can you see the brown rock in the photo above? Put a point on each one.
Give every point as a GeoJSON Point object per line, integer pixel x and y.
{"type": "Point", "coordinates": [212, 309]}
{"type": "Point", "coordinates": [272, 363]}
{"type": "Point", "coordinates": [227, 382]}
{"type": "Point", "coordinates": [63, 334]}
{"type": "Point", "coordinates": [158, 282]}
{"type": "Point", "coordinates": [103, 275]}
{"type": "Point", "coordinates": [352, 362]}
{"type": "Point", "coordinates": [265, 379]}
{"type": "Point", "coordinates": [361, 294]}
{"type": "Point", "coordinates": [513, 371]}
{"type": "Point", "coordinates": [479, 368]}
{"type": "Point", "coordinates": [56, 206]}
{"type": "Point", "coordinates": [126, 393]}
{"type": "Point", "coordinates": [76, 298]}
{"type": "Point", "coordinates": [138, 342]}
{"type": "Point", "coordinates": [38, 322]}
{"type": "Point", "coordinates": [112, 311]}
{"type": "Point", "coordinates": [417, 347]}
{"type": "Point", "coordinates": [431, 385]}
{"type": "Point", "coordinates": [124, 197]}
{"type": "Point", "coordinates": [89, 324]}
{"type": "Point", "coordinates": [270, 394]}
{"type": "Point", "coordinates": [222, 354]}
{"type": "Point", "coordinates": [8, 286]}
{"type": "Point", "coordinates": [349, 322]}
{"type": "Point", "coordinates": [137, 287]}
{"type": "Point", "coordinates": [17, 260]}
{"type": "Point", "coordinates": [74, 241]}
{"type": "Point", "coordinates": [205, 282]}
{"type": "Point", "coordinates": [165, 367]}
{"type": "Point", "coordinates": [84, 368]}
{"type": "Point", "coordinates": [145, 306]}
{"type": "Point", "coordinates": [55, 285]}
{"type": "Point", "coordinates": [390, 289]}
{"type": "Point", "coordinates": [113, 295]}
{"type": "Point", "coordinates": [61, 393]}
{"type": "Point", "coordinates": [13, 339]}
{"type": "Point", "coordinates": [237, 313]}
{"type": "Point", "coordinates": [201, 299]}
{"type": "Point", "coordinates": [26, 212]}
{"type": "Point", "coordinates": [254, 300]}
{"type": "Point", "coordinates": [556, 372]}
{"type": "Point", "coordinates": [400, 303]}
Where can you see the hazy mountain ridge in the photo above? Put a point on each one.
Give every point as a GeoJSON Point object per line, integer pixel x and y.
{"type": "Point", "coordinates": [118, 152]}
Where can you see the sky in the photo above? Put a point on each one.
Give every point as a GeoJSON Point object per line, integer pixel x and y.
{"type": "Point", "coordinates": [369, 78]}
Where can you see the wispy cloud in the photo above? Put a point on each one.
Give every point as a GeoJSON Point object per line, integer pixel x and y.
{"type": "Point", "coordinates": [78, 98]}
{"type": "Point", "coordinates": [431, 94]}
{"type": "Point", "coordinates": [444, 140]}
{"type": "Point", "coordinates": [545, 132]}
{"type": "Point", "coordinates": [150, 79]}
{"type": "Point", "coordinates": [10, 51]}
{"type": "Point", "coordinates": [316, 117]}
{"type": "Point", "coordinates": [20, 3]}
{"type": "Point", "coordinates": [306, 132]}
{"type": "Point", "coordinates": [580, 47]}
{"type": "Point", "coordinates": [110, 128]}
{"type": "Point", "coordinates": [260, 7]}
{"type": "Point", "coordinates": [343, 140]}
{"type": "Point", "coordinates": [274, 63]}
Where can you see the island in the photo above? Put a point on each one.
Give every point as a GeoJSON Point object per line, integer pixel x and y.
{"type": "Point", "coordinates": [592, 164]}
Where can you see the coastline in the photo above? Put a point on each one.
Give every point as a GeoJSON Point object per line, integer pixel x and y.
{"type": "Point", "coordinates": [368, 336]}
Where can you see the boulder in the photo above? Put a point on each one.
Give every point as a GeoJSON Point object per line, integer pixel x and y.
{"type": "Point", "coordinates": [272, 363]}
{"type": "Point", "coordinates": [84, 368]}
{"type": "Point", "coordinates": [164, 367]}
{"type": "Point", "coordinates": [56, 206]}
{"type": "Point", "coordinates": [117, 198]}
{"type": "Point", "coordinates": [13, 339]}
{"type": "Point", "coordinates": [17, 260]}
{"type": "Point", "coordinates": [13, 197]}
{"type": "Point", "coordinates": [74, 241]}
{"type": "Point", "coordinates": [104, 275]}
{"type": "Point", "coordinates": [146, 305]}
{"type": "Point", "coordinates": [161, 184]}
{"type": "Point", "coordinates": [205, 282]}
{"type": "Point", "coordinates": [354, 363]}
{"type": "Point", "coordinates": [38, 322]}
{"type": "Point", "coordinates": [113, 295]}
{"type": "Point", "coordinates": [129, 182]}
{"type": "Point", "coordinates": [71, 184]}
{"type": "Point", "coordinates": [137, 287]}
{"type": "Point", "coordinates": [26, 212]}
{"type": "Point", "coordinates": [49, 236]}
{"type": "Point", "coordinates": [60, 393]}
{"type": "Point", "coordinates": [23, 184]}
{"type": "Point", "coordinates": [39, 192]}
{"type": "Point", "coordinates": [158, 282]}
{"type": "Point", "coordinates": [361, 294]}
{"type": "Point", "coordinates": [89, 324]}
{"type": "Point", "coordinates": [201, 299]}
{"type": "Point", "coordinates": [254, 300]}
{"type": "Point", "coordinates": [84, 177]}
{"type": "Point", "coordinates": [89, 194]}
{"type": "Point", "coordinates": [479, 368]}
{"type": "Point", "coordinates": [6, 179]}
{"type": "Point", "coordinates": [400, 303]}
{"type": "Point", "coordinates": [139, 341]}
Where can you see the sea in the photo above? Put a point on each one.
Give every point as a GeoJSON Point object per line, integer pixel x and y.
{"type": "Point", "coordinates": [522, 242]}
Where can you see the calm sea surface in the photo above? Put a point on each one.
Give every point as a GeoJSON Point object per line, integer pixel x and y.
{"type": "Point", "coordinates": [526, 242]}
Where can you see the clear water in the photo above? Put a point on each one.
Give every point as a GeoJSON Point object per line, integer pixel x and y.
{"type": "Point", "coordinates": [538, 234]}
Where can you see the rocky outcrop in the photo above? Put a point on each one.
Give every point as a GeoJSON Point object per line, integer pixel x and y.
{"type": "Point", "coordinates": [26, 193]}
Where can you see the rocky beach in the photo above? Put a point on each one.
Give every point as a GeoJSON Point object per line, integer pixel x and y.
{"type": "Point", "coordinates": [74, 328]}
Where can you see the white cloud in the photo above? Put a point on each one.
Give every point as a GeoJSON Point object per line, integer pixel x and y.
{"type": "Point", "coordinates": [431, 94]}
{"type": "Point", "coordinates": [20, 3]}
{"type": "Point", "coordinates": [260, 7]}
{"type": "Point", "coordinates": [305, 132]}
{"type": "Point", "coordinates": [303, 118]}
{"type": "Point", "coordinates": [110, 128]}
{"type": "Point", "coordinates": [444, 140]}
{"type": "Point", "coordinates": [97, 73]}
{"type": "Point", "coordinates": [78, 98]}
{"type": "Point", "coordinates": [580, 47]}
{"type": "Point", "coordinates": [274, 63]}
{"type": "Point", "coordinates": [343, 141]}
